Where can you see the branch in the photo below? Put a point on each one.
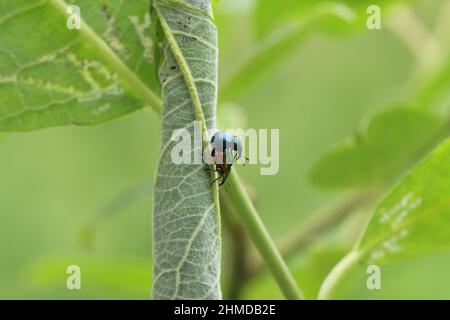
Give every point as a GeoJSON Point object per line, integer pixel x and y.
{"type": "Point", "coordinates": [320, 222]}
{"type": "Point", "coordinates": [261, 239]}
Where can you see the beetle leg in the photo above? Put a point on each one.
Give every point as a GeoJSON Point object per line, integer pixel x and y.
{"type": "Point", "coordinates": [236, 157]}
{"type": "Point", "coordinates": [215, 180]}
{"type": "Point", "coordinates": [206, 167]}
{"type": "Point", "coordinates": [225, 175]}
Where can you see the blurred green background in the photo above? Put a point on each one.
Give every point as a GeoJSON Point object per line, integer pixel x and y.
{"type": "Point", "coordinates": [54, 181]}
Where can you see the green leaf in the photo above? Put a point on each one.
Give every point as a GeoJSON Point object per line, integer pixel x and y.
{"type": "Point", "coordinates": [270, 15]}
{"type": "Point", "coordinates": [51, 75]}
{"type": "Point", "coordinates": [273, 48]}
{"type": "Point", "coordinates": [281, 25]}
{"type": "Point", "coordinates": [392, 141]}
{"type": "Point", "coordinates": [345, 166]}
{"type": "Point", "coordinates": [413, 219]}
{"type": "Point", "coordinates": [186, 235]}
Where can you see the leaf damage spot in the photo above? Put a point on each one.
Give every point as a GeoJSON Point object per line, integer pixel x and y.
{"type": "Point", "coordinates": [111, 33]}
{"type": "Point", "coordinates": [390, 246]}
{"type": "Point", "coordinates": [400, 211]}
{"type": "Point", "coordinates": [144, 39]}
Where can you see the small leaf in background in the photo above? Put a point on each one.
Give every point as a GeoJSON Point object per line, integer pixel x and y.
{"type": "Point", "coordinates": [273, 48]}
{"type": "Point", "coordinates": [51, 75]}
{"type": "Point", "coordinates": [270, 15]}
{"type": "Point", "coordinates": [186, 241]}
{"type": "Point", "coordinates": [347, 165]}
{"type": "Point", "coordinates": [393, 140]}
{"type": "Point", "coordinates": [282, 24]}
{"type": "Point", "coordinates": [412, 220]}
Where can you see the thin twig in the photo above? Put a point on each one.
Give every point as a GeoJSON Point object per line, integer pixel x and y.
{"type": "Point", "coordinates": [319, 222]}
{"type": "Point", "coordinates": [261, 239]}
{"type": "Point", "coordinates": [239, 250]}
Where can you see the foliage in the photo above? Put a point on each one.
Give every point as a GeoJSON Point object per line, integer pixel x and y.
{"type": "Point", "coordinates": [280, 73]}
{"type": "Point", "coordinates": [382, 150]}
{"type": "Point", "coordinates": [410, 221]}
{"type": "Point", "coordinates": [86, 76]}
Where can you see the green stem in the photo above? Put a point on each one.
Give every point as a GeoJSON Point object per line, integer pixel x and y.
{"type": "Point", "coordinates": [261, 239]}
{"type": "Point", "coordinates": [442, 28]}
{"type": "Point", "coordinates": [334, 279]}
{"type": "Point", "coordinates": [238, 269]}
{"type": "Point", "coordinates": [321, 221]}
{"type": "Point", "coordinates": [423, 44]}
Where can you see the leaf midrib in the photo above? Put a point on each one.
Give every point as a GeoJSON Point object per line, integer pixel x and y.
{"type": "Point", "coordinates": [134, 83]}
{"type": "Point", "coordinates": [185, 70]}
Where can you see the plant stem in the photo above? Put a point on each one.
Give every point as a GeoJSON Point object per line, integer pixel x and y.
{"type": "Point", "coordinates": [239, 245]}
{"type": "Point", "coordinates": [261, 239]}
{"type": "Point", "coordinates": [442, 27]}
{"type": "Point", "coordinates": [335, 277]}
{"type": "Point", "coordinates": [421, 42]}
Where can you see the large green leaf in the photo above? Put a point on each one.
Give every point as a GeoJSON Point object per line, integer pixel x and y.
{"type": "Point", "coordinates": [186, 238]}
{"type": "Point", "coordinates": [413, 219]}
{"type": "Point", "coordinates": [52, 75]}
{"type": "Point", "coordinates": [392, 141]}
